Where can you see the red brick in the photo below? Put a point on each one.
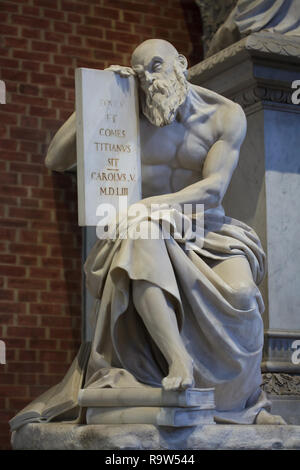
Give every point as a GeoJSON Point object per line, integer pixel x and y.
{"type": "Point", "coordinates": [31, 284]}
{"type": "Point", "coordinates": [30, 180]}
{"type": "Point", "coordinates": [29, 121]}
{"type": "Point", "coordinates": [17, 404]}
{"type": "Point", "coordinates": [53, 356]}
{"type": "Point", "coordinates": [6, 294]}
{"type": "Point", "coordinates": [13, 75]}
{"type": "Point", "coordinates": [53, 93]}
{"type": "Point", "coordinates": [8, 259]}
{"type": "Point", "coordinates": [30, 10]}
{"type": "Point", "coordinates": [57, 262]}
{"type": "Point", "coordinates": [13, 390]}
{"type": "Point", "coordinates": [138, 6]}
{"type": "Point", "coordinates": [31, 33]}
{"type": "Point", "coordinates": [70, 344]}
{"type": "Point", "coordinates": [46, 309]}
{"type": "Point", "coordinates": [55, 14]}
{"type": "Point", "coordinates": [99, 22]}
{"type": "Point", "coordinates": [27, 320]}
{"type": "Point", "coordinates": [16, 343]}
{"type": "Point", "coordinates": [7, 222]}
{"type": "Point", "coordinates": [28, 146]}
{"type": "Point", "coordinates": [27, 134]}
{"type": "Point", "coordinates": [24, 331]}
{"type": "Point", "coordinates": [11, 7]}
{"type": "Point", "coordinates": [27, 296]}
{"type": "Point", "coordinates": [62, 27]}
{"type": "Point", "coordinates": [44, 273]}
{"type": "Point", "coordinates": [43, 79]}
{"type": "Point", "coordinates": [44, 46]}
{"type": "Point", "coordinates": [47, 3]}
{"type": "Point", "coordinates": [17, 271]}
{"type": "Point", "coordinates": [43, 344]}
{"type": "Point", "coordinates": [57, 368]}
{"type": "Point", "coordinates": [25, 168]}
{"type": "Point", "coordinates": [10, 63]}
{"type": "Point", "coordinates": [49, 380]}
{"type": "Point", "coordinates": [31, 22]}
{"type": "Point", "coordinates": [35, 56]}
{"type": "Point", "coordinates": [28, 236]}
{"type": "Point", "coordinates": [29, 213]}
{"type": "Point", "coordinates": [59, 297]}
{"type": "Point", "coordinates": [56, 69]}
{"type": "Point", "coordinates": [24, 367]}
{"type": "Point", "coordinates": [9, 30]}
{"type": "Point", "coordinates": [28, 249]}
{"type": "Point", "coordinates": [107, 13]}
{"type": "Point", "coordinates": [27, 379]}
{"type": "Point", "coordinates": [74, 18]}
{"type": "Point", "coordinates": [7, 234]}
{"type": "Point", "coordinates": [76, 7]}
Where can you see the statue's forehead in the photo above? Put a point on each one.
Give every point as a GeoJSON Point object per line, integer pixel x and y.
{"type": "Point", "coordinates": [145, 55]}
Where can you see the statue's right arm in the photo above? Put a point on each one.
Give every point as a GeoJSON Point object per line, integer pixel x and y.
{"type": "Point", "coordinates": [61, 155]}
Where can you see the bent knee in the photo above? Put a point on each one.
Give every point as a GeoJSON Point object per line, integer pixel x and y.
{"type": "Point", "coordinates": [245, 294]}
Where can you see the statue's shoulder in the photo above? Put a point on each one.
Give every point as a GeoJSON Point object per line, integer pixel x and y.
{"type": "Point", "coordinates": [212, 98]}
{"type": "Point", "coordinates": [226, 116]}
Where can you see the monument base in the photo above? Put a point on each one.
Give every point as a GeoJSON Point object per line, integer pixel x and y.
{"type": "Point", "coordinates": [58, 436]}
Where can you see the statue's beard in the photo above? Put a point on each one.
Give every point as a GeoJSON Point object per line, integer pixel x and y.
{"type": "Point", "coordinates": [162, 99]}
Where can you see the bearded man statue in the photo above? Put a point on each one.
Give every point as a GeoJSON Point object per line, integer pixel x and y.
{"type": "Point", "coordinates": [184, 311]}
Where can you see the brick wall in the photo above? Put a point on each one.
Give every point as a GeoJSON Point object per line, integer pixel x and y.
{"type": "Point", "coordinates": [43, 41]}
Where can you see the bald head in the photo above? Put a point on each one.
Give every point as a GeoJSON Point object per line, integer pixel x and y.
{"type": "Point", "coordinates": [151, 48]}
{"type": "Point", "coordinates": [161, 73]}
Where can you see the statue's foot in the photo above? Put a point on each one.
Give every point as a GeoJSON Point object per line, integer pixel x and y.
{"type": "Point", "coordinates": [180, 375]}
{"type": "Point", "coordinates": [264, 417]}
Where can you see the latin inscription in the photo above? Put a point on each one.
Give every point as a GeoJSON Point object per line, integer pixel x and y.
{"type": "Point", "coordinates": [107, 141]}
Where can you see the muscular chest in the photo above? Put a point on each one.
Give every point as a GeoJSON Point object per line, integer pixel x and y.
{"type": "Point", "coordinates": [175, 146]}
{"type": "Point", "coordinates": [172, 157]}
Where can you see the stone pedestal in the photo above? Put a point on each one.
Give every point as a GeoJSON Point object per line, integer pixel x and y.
{"type": "Point", "coordinates": [257, 72]}
{"type": "Point", "coordinates": [58, 436]}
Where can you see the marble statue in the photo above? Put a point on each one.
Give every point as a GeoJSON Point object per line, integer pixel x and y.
{"type": "Point", "coordinates": [250, 16]}
{"type": "Point", "coordinates": [177, 313]}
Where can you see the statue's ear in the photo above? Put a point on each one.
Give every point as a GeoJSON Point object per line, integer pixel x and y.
{"type": "Point", "coordinates": [183, 62]}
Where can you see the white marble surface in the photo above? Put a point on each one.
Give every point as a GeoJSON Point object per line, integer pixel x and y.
{"type": "Point", "coordinates": [59, 436]}
{"type": "Point", "coordinates": [282, 144]}
{"type": "Point", "coordinates": [250, 16]}
{"type": "Point", "coordinates": [108, 150]}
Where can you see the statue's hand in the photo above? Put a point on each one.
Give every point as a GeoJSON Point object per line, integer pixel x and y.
{"type": "Point", "coordinates": [121, 70]}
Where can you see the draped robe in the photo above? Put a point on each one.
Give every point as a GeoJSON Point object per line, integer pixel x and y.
{"type": "Point", "coordinates": [225, 342]}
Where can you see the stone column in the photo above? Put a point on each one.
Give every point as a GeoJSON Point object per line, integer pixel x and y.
{"type": "Point", "coordinates": [257, 72]}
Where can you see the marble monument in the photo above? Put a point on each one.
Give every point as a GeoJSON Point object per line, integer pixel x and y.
{"type": "Point", "coordinates": [179, 312]}
{"type": "Point", "coordinates": [251, 16]}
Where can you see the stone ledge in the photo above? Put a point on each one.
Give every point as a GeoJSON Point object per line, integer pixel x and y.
{"type": "Point", "coordinates": [58, 436]}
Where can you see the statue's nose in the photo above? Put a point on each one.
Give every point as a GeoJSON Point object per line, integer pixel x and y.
{"type": "Point", "coordinates": [148, 77]}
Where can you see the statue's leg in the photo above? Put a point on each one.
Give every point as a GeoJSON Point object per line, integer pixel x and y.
{"type": "Point", "coordinates": [157, 312]}
{"type": "Point", "coordinates": [236, 272]}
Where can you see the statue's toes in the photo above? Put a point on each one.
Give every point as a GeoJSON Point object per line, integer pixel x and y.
{"type": "Point", "coordinates": [188, 382]}
{"type": "Point", "coordinates": [171, 383]}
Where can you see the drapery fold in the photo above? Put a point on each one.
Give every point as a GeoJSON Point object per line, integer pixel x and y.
{"type": "Point", "coordinates": [225, 342]}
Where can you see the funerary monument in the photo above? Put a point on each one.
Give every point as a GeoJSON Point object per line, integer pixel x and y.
{"type": "Point", "coordinates": [177, 313]}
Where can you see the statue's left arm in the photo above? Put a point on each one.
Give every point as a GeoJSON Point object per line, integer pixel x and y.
{"type": "Point", "coordinates": [219, 164]}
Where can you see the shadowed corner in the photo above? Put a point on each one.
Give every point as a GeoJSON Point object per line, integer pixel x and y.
{"type": "Point", "coordinates": [123, 84]}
